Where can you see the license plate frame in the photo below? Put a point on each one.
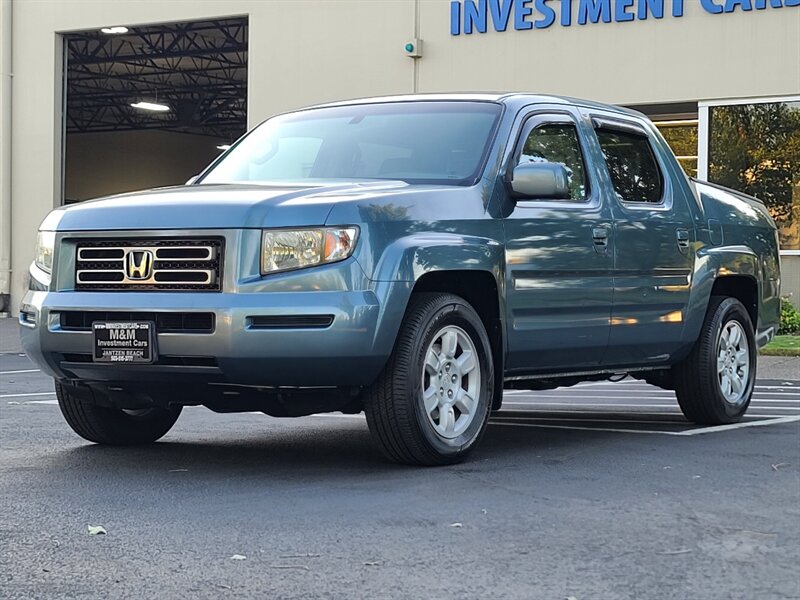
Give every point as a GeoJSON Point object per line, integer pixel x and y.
{"type": "Point", "coordinates": [124, 342]}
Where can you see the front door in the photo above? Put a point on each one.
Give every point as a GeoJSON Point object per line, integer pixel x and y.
{"type": "Point", "coordinates": [558, 258]}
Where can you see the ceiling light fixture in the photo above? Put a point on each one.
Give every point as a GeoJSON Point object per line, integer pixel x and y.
{"type": "Point", "coordinates": [223, 146]}
{"type": "Point", "coordinates": [150, 106]}
{"type": "Point", "coordinates": [114, 30]}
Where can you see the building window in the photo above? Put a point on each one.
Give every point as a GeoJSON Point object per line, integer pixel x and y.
{"type": "Point", "coordinates": [755, 148]}
{"type": "Point", "coordinates": [681, 135]}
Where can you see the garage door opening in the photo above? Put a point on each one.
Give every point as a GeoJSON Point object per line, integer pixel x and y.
{"type": "Point", "coordinates": [150, 106]}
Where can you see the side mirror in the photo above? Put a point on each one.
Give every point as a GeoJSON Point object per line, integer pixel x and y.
{"type": "Point", "coordinates": [191, 180]}
{"type": "Point", "coordinates": [543, 180]}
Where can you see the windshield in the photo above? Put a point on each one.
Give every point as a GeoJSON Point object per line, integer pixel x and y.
{"type": "Point", "coordinates": [416, 142]}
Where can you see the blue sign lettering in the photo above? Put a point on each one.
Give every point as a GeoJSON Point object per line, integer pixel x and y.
{"type": "Point", "coordinates": [455, 18]}
{"type": "Point", "coordinates": [620, 10]}
{"type": "Point", "coordinates": [566, 13]}
{"type": "Point", "coordinates": [501, 11]}
{"type": "Point", "coordinates": [710, 6]}
{"type": "Point", "coordinates": [730, 5]}
{"type": "Point", "coordinates": [548, 15]}
{"type": "Point", "coordinates": [521, 11]}
{"type": "Point", "coordinates": [654, 7]}
{"type": "Point", "coordinates": [476, 16]}
{"type": "Point", "coordinates": [592, 11]}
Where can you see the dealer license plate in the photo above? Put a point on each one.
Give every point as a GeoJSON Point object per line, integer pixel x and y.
{"type": "Point", "coordinates": [124, 342]}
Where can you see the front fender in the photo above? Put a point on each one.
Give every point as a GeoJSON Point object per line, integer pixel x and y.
{"type": "Point", "coordinates": [407, 259]}
{"type": "Point", "coordinates": [411, 257]}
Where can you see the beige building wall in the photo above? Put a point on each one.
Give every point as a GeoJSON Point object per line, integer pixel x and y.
{"type": "Point", "coordinates": [307, 51]}
{"type": "Point", "coordinates": [699, 56]}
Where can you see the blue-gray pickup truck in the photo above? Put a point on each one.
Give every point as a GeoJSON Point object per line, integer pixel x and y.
{"type": "Point", "coordinates": [408, 257]}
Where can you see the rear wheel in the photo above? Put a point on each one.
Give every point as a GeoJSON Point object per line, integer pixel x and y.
{"type": "Point", "coordinates": [114, 426]}
{"type": "Point", "coordinates": [715, 383]}
{"type": "Point", "coordinates": [430, 406]}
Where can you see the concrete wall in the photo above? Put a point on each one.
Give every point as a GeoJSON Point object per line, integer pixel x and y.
{"type": "Point", "coordinates": [5, 155]}
{"type": "Point", "coordinates": [99, 164]}
{"type": "Point", "coordinates": [302, 52]}
{"type": "Point", "coordinates": [790, 277]}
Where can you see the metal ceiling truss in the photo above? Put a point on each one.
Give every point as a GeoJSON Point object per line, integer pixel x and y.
{"type": "Point", "coordinates": [199, 69]}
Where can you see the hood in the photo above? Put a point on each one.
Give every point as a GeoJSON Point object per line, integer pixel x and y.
{"type": "Point", "coordinates": [214, 206]}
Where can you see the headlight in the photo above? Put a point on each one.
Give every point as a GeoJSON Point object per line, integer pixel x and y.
{"type": "Point", "coordinates": [286, 249]}
{"type": "Point", "coordinates": [45, 242]}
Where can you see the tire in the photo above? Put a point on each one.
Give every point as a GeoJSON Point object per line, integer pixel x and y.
{"type": "Point", "coordinates": [703, 394]}
{"type": "Point", "coordinates": [114, 426]}
{"type": "Point", "coordinates": [405, 430]}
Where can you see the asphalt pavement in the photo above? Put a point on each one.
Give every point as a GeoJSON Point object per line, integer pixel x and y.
{"type": "Point", "coordinates": [600, 491]}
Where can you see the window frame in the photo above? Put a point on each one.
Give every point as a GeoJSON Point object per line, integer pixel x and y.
{"type": "Point", "coordinates": [534, 120]}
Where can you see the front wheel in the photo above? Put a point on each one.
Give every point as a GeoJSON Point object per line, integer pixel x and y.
{"type": "Point", "coordinates": [430, 406]}
{"type": "Point", "coordinates": [715, 382]}
{"type": "Point", "coordinates": [114, 426]}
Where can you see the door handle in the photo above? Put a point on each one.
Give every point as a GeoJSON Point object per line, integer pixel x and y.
{"type": "Point", "coordinates": [682, 237]}
{"type": "Point", "coordinates": [600, 239]}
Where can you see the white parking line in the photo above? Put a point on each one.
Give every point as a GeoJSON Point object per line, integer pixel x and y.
{"type": "Point", "coordinates": [689, 432]}
{"type": "Point", "coordinates": [640, 405]}
{"type": "Point", "coordinates": [608, 429]}
{"type": "Point", "coordinates": [27, 395]}
{"type": "Point", "coordinates": [646, 386]}
{"type": "Point", "coordinates": [337, 415]}
{"type": "Point", "coordinates": [519, 419]}
{"type": "Point", "coordinates": [652, 395]}
{"type": "Point", "coordinates": [20, 371]}
{"type": "Point", "coordinates": [718, 428]}
{"type": "Point", "coordinates": [680, 420]}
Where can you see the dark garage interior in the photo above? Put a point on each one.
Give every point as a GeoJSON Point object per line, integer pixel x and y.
{"type": "Point", "coordinates": [189, 84]}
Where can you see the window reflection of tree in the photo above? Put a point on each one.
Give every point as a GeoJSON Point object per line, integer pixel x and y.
{"type": "Point", "coordinates": [558, 143]}
{"type": "Point", "coordinates": [632, 166]}
{"type": "Point", "coordinates": [755, 148]}
{"type": "Point", "coordinates": [683, 142]}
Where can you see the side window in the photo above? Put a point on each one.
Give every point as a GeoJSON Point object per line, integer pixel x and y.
{"type": "Point", "coordinates": [558, 143]}
{"type": "Point", "coordinates": [632, 165]}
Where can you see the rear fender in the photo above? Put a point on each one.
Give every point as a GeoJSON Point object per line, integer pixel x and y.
{"type": "Point", "coordinates": [713, 263]}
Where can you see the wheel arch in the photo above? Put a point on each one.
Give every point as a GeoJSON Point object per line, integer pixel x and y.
{"type": "Point", "coordinates": [742, 287]}
{"type": "Point", "coordinates": [481, 290]}
{"type": "Point", "coordinates": [465, 265]}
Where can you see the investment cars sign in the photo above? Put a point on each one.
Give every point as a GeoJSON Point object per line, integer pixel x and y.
{"type": "Point", "coordinates": [478, 16]}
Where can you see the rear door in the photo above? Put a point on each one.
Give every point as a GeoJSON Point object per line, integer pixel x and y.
{"type": "Point", "coordinates": [653, 243]}
{"type": "Point", "coordinates": [558, 256]}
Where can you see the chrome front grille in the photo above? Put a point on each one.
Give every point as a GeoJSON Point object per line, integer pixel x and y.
{"type": "Point", "coordinates": [149, 264]}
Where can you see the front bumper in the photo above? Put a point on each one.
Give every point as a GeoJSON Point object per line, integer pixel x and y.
{"type": "Point", "coordinates": [349, 351]}
{"type": "Point", "coordinates": [342, 354]}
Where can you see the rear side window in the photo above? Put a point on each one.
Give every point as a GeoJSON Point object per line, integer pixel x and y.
{"type": "Point", "coordinates": [632, 165]}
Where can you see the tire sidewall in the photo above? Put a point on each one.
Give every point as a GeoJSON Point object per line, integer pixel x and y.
{"type": "Point", "coordinates": [733, 310]}
{"type": "Point", "coordinates": [461, 315]}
